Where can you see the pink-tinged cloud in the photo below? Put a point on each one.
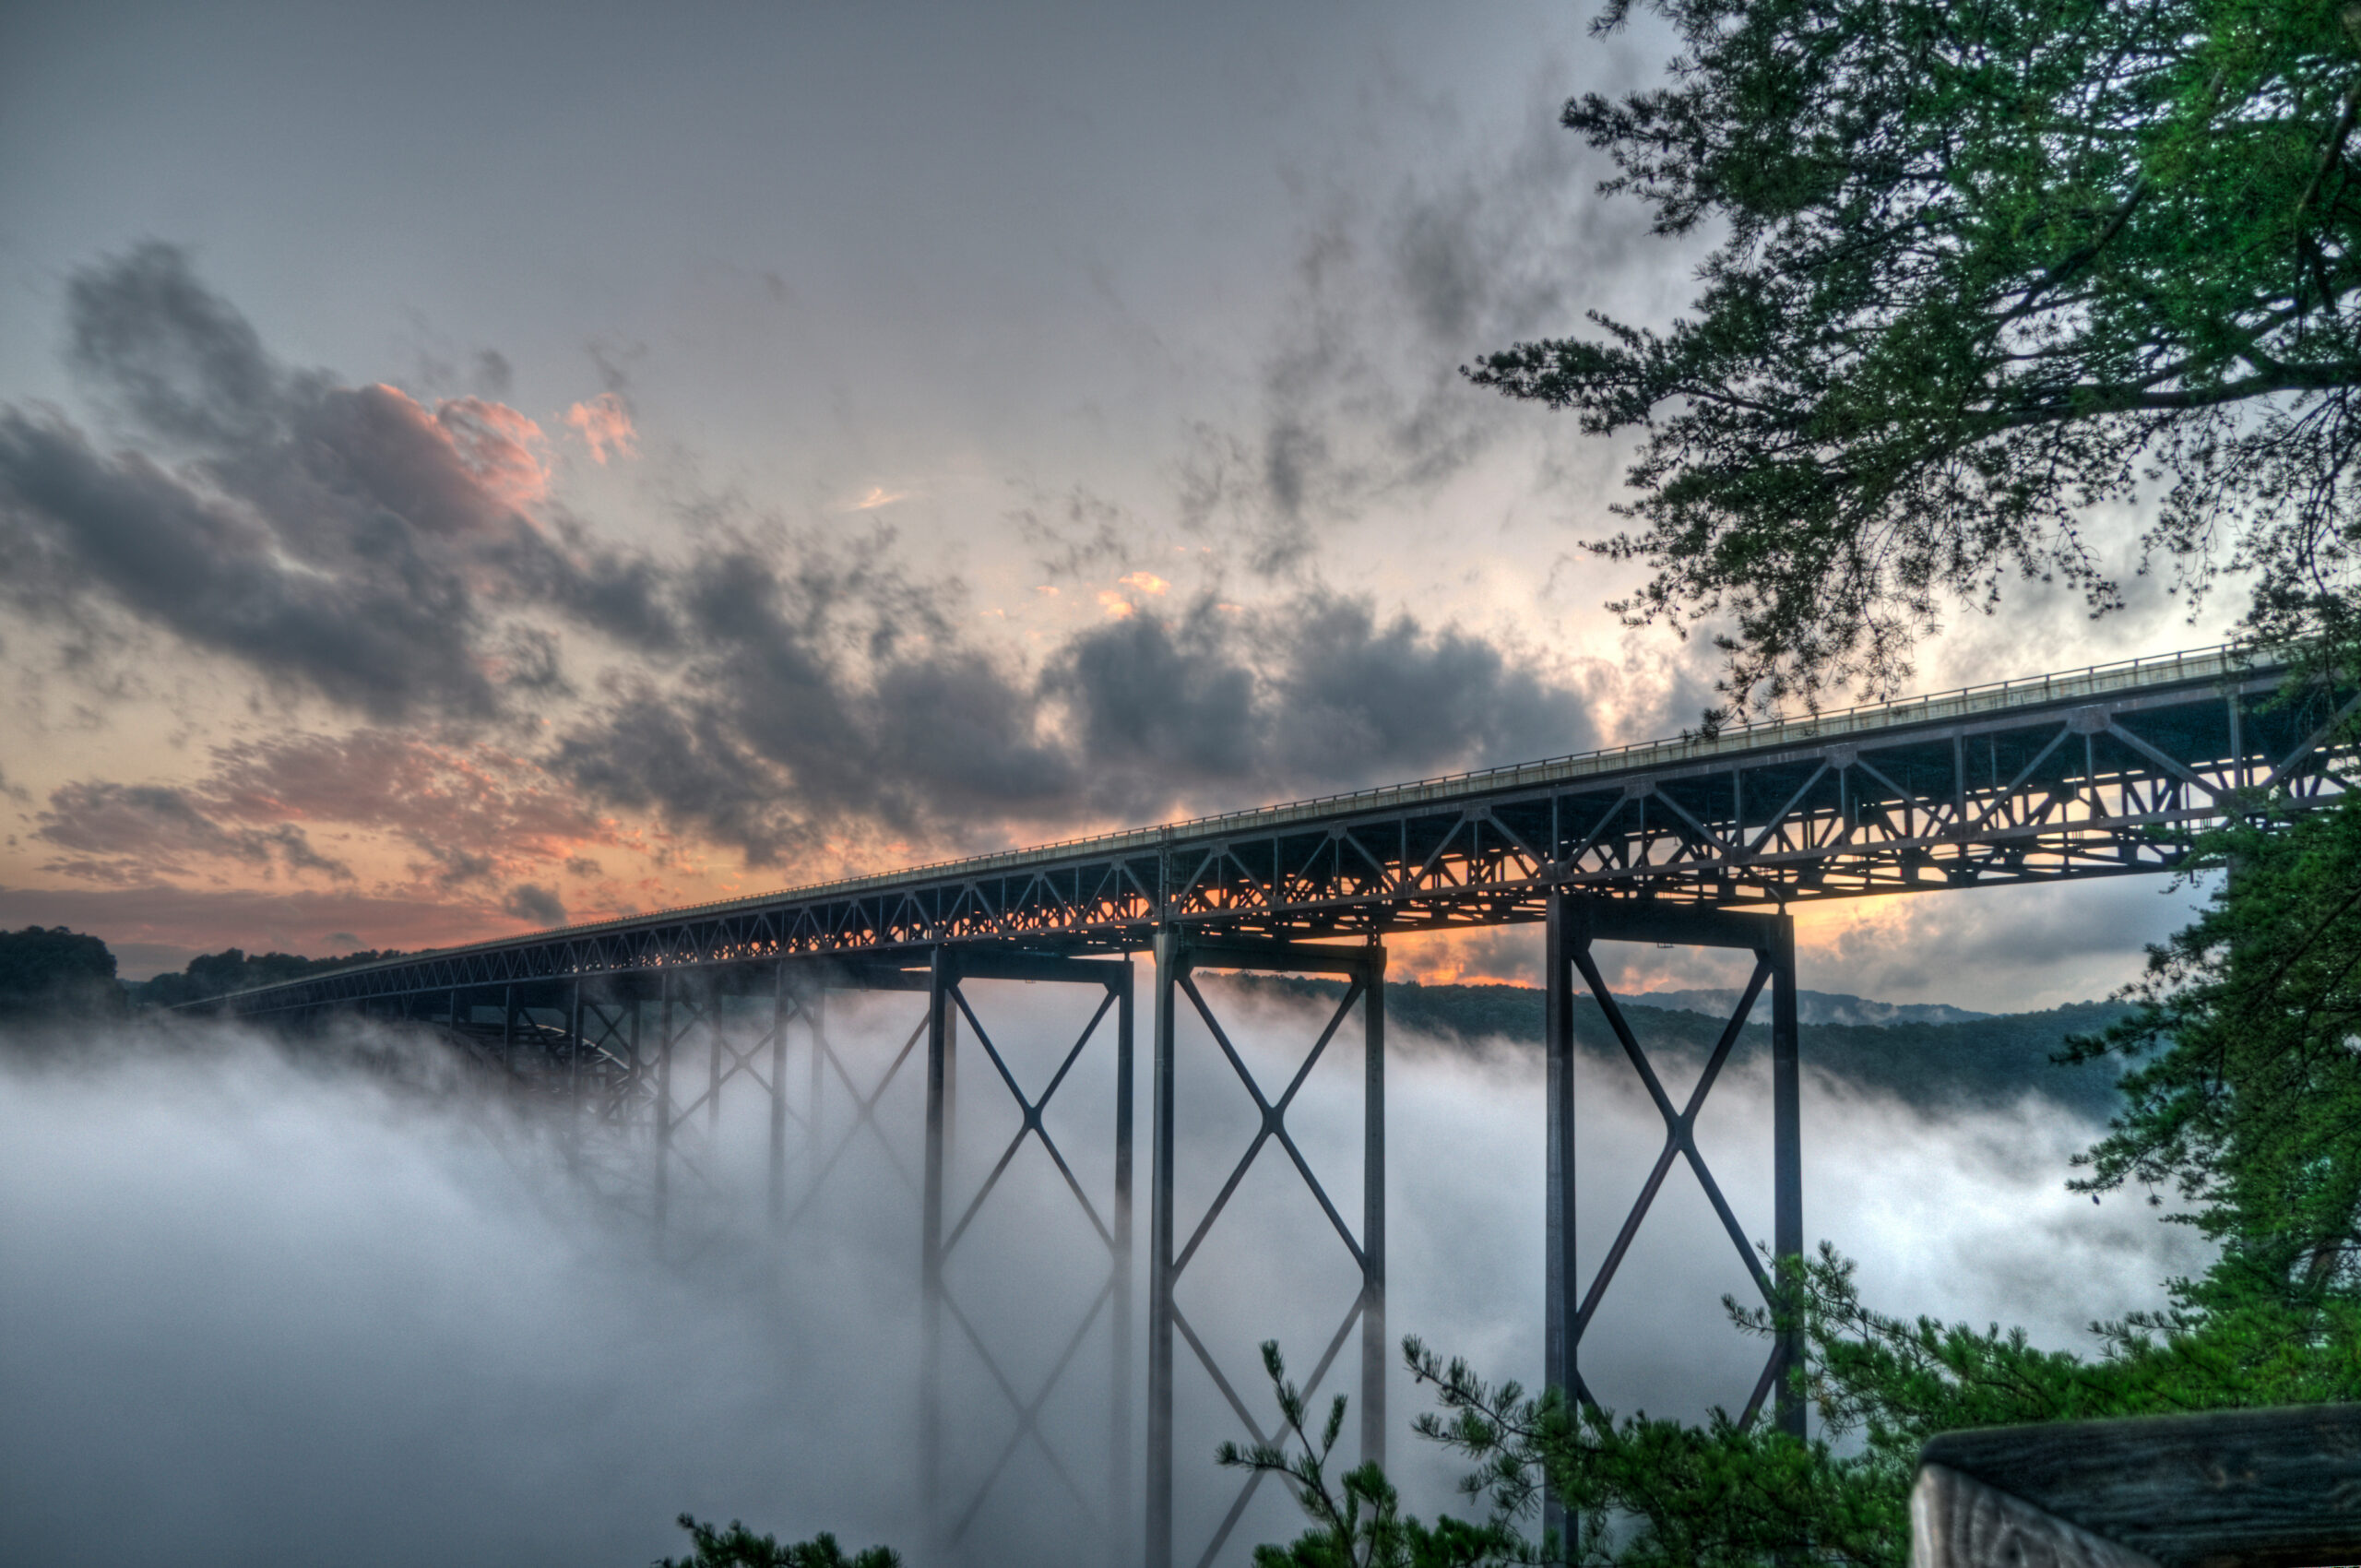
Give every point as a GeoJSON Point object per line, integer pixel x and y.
{"type": "Point", "coordinates": [457, 818]}
{"type": "Point", "coordinates": [497, 444]}
{"type": "Point", "coordinates": [118, 833]}
{"type": "Point", "coordinates": [461, 467]}
{"type": "Point", "coordinates": [605, 426]}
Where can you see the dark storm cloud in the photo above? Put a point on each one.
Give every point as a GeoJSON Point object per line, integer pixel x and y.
{"type": "Point", "coordinates": [1156, 699]}
{"type": "Point", "coordinates": [830, 693]}
{"type": "Point", "coordinates": [534, 904]}
{"type": "Point", "coordinates": [347, 539]}
{"type": "Point", "coordinates": [773, 740]}
{"type": "Point", "coordinates": [1224, 707]}
{"type": "Point", "coordinates": [1393, 698]}
{"type": "Point", "coordinates": [177, 359]}
{"type": "Point", "coordinates": [396, 634]}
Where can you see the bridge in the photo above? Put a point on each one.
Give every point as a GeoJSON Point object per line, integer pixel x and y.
{"type": "Point", "coordinates": [1707, 839]}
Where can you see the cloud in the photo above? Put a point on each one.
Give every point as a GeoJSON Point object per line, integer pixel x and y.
{"type": "Point", "coordinates": [1360, 399]}
{"type": "Point", "coordinates": [605, 426]}
{"type": "Point", "coordinates": [461, 806]}
{"type": "Point", "coordinates": [129, 833]}
{"type": "Point", "coordinates": [345, 539]}
{"type": "Point", "coordinates": [1358, 696]}
{"type": "Point", "coordinates": [467, 812]}
{"type": "Point", "coordinates": [494, 374]}
{"type": "Point", "coordinates": [2069, 942]}
{"type": "Point", "coordinates": [793, 693]}
{"type": "Point", "coordinates": [836, 710]}
{"type": "Point", "coordinates": [1212, 710]}
{"type": "Point", "coordinates": [408, 1351]}
{"type": "Point", "coordinates": [1078, 533]}
{"type": "Point", "coordinates": [535, 905]}
{"type": "Point", "coordinates": [825, 696]}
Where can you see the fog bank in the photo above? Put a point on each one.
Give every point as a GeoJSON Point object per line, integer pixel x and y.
{"type": "Point", "coordinates": [269, 1310]}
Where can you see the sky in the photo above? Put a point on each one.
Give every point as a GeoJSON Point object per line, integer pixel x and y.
{"type": "Point", "coordinates": [465, 469]}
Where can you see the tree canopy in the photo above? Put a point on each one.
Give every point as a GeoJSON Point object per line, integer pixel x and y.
{"type": "Point", "coordinates": [218, 974]}
{"type": "Point", "coordinates": [52, 969]}
{"type": "Point", "coordinates": [738, 1547]}
{"type": "Point", "coordinates": [1981, 268]}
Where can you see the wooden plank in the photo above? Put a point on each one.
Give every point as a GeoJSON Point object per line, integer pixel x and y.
{"type": "Point", "coordinates": [2229, 1489]}
{"type": "Point", "coordinates": [1956, 1521]}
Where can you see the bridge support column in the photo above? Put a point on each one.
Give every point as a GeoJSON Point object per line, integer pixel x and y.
{"type": "Point", "coordinates": [1786, 1159]}
{"type": "Point", "coordinates": [1177, 958]}
{"type": "Point", "coordinates": [776, 1193]}
{"type": "Point", "coordinates": [1159, 1502]}
{"type": "Point", "coordinates": [938, 1116]}
{"type": "Point", "coordinates": [1575, 922]}
{"type": "Point", "coordinates": [1124, 1534]}
{"type": "Point", "coordinates": [663, 1193]}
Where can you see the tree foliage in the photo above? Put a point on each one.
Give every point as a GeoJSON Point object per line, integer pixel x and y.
{"type": "Point", "coordinates": [2245, 1095]}
{"type": "Point", "coordinates": [1359, 1522]}
{"type": "Point", "coordinates": [738, 1547]}
{"type": "Point", "coordinates": [50, 970]}
{"type": "Point", "coordinates": [1981, 268]}
{"type": "Point", "coordinates": [210, 975]}
{"type": "Point", "coordinates": [1650, 1492]}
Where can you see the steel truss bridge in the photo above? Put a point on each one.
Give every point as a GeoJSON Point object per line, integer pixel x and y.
{"type": "Point", "coordinates": [1702, 840]}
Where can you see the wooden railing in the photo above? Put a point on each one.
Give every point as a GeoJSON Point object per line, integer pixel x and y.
{"type": "Point", "coordinates": [2232, 1489]}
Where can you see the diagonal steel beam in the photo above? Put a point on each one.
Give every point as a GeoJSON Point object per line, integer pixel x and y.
{"type": "Point", "coordinates": [1680, 1137]}
{"type": "Point", "coordinates": [1273, 1118]}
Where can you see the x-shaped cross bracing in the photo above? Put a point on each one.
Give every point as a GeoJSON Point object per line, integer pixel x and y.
{"type": "Point", "coordinates": [864, 1115]}
{"type": "Point", "coordinates": [1680, 1142]}
{"type": "Point", "coordinates": [1366, 1251]}
{"type": "Point", "coordinates": [1031, 1125]}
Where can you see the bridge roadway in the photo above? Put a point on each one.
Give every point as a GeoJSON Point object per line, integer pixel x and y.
{"type": "Point", "coordinates": [1699, 840]}
{"type": "Point", "coordinates": [2090, 772]}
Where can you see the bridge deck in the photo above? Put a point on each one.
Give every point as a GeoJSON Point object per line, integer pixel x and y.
{"type": "Point", "coordinates": [2101, 771]}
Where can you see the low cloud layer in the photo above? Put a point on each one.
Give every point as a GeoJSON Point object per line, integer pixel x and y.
{"type": "Point", "coordinates": [268, 1308]}
{"type": "Point", "coordinates": [470, 822]}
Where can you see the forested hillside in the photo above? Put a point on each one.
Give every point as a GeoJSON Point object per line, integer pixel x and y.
{"type": "Point", "coordinates": [1986, 1061]}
